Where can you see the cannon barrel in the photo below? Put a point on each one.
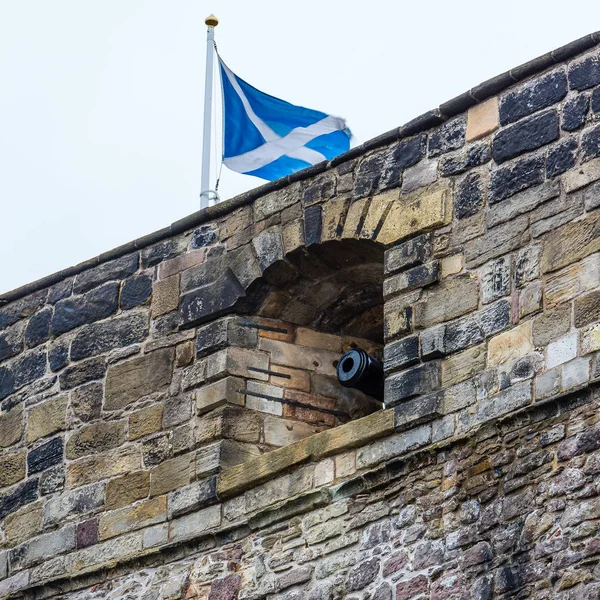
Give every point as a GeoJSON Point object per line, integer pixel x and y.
{"type": "Point", "coordinates": [356, 369]}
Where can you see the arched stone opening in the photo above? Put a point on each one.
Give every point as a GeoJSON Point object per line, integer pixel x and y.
{"type": "Point", "coordinates": [308, 308]}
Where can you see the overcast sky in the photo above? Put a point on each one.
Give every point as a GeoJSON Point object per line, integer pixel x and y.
{"type": "Point", "coordinates": [101, 100]}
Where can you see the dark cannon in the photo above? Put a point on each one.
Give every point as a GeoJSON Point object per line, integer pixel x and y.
{"type": "Point", "coordinates": [356, 369]}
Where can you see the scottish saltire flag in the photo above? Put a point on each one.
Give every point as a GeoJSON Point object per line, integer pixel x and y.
{"type": "Point", "coordinates": [269, 138]}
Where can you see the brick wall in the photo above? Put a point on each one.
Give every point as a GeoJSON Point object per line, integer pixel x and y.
{"type": "Point", "coordinates": [171, 425]}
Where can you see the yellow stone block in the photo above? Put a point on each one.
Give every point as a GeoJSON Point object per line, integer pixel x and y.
{"type": "Point", "coordinates": [333, 217]}
{"type": "Point", "coordinates": [418, 212]}
{"type": "Point", "coordinates": [293, 236]}
{"type": "Point", "coordinates": [377, 209]}
{"type": "Point", "coordinates": [354, 218]}
{"type": "Point", "coordinates": [510, 345]}
{"type": "Point", "coordinates": [482, 119]}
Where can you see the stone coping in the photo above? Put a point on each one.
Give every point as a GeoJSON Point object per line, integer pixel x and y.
{"type": "Point", "coordinates": [422, 123]}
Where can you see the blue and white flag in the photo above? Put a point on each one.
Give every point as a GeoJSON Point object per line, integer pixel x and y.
{"type": "Point", "coordinates": [270, 138]}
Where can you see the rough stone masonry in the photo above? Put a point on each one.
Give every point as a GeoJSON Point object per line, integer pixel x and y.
{"type": "Point", "coordinates": [170, 422]}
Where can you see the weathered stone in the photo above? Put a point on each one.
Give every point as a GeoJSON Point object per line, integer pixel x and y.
{"type": "Point", "coordinates": [205, 235]}
{"type": "Point", "coordinates": [221, 392]}
{"type": "Point", "coordinates": [462, 366]}
{"type": "Point", "coordinates": [450, 136]}
{"type": "Point", "coordinates": [44, 456]}
{"type": "Point", "coordinates": [23, 524]}
{"type": "Point", "coordinates": [416, 213]}
{"type": "Point", "coordinates": [43, 547]}
{"type": "Point", "coordinates": [135, 291]}
{"type": "Point", "coordinates": [539, 93]}
{"type": "Point", "coordinates": [126, 489]}
{"type": "Point", "coordinates": [510, 345]}
{"type": "Point", "coordinates": [12, 468]}
{"type": "Point", "coordinates": [183, 262]}
{"type": "Point", "coordinates": [522, 202]}
{"type": "Point", "coordinates": [551, 325]}
{"type": "Point", "coordinates": [470, 195]}
{"type": "Point", "coordinates": [575, 112]}
{"type": "Point", "coordinates": [582, 176]}
{"type": "Point", "coordinates": [510, 399]}
{"type": "Point", "coordinates": [401, 353]}
{"type": "Point", "coordinates": [73, 503]}
{"type": "Point", "coordinates": [495, 280]}
{"type": "Point", "coordinates": [585, 73]}
{"type": "Point", "coordinates": [193, 497]}
{"type": "Point", "coordinates": [522, 174]}
{"type": "Point", "coordinates": [18, 496]}
{"type": "Point", "coordinates": [87, 308]}
{"type": "Point", "coordinates": [473, 155]}
{"type": "Point", "coordinates": [450, 299]}
{"type": "Point", "coordinates": [171, 474]}
{"type": "Point", "coordinates": [96, 437]}
{"type": "Point", "coordinates": [421, 175]}
{"type": "Point", "coordinates": [101, 466]}
{"type": "Point", "coordinates": [145, 421]}
{"type": "Point", "coordinates": [11, 341]}
{"type": "Point", "coordinates": [46, 418]}
{"type": "Point", "coordinates": [24, 370]}
{"type": "Point", "coordinates": [587, 309]}
{"type": "Point", "coordinates": [38, 328]}
{"type": "Point", "coordinates": [524, 136]}
{"type": "Point", "coordinates": [363, 574]}
{"type": "Point", "coordinates": [11, 426]}
{"type": "Point", "coordinates": [475, 328]}
{"type": "Point", "coordinates": [482, 119]}
{"type": "Point", "coordinates": [81, 373]}
{"type": "Point", "coordinates": [165, 295]}
{"type": "Point", "coordinates": [419, 380]}
{"type": "Point", "coordinates": [119, 268]}
{"type": "Point", "coordinates": [590, 144]}
{"type": "Point", "coordinates": [86, 401]}
{"type": "Point", "coordinates": [118, 332]}
{"type": "Point", "coordinates": [128, 381]}
{"type": "Point", "coordinates": [497, 241]}
{"type": "Point", "coordinates": [413, 252]}
{"type": "Point", "coordinates": [163, 250]}
{"type": "Point", "coordinates": [562, 157]}
{"type": "Point", "coordinates": [130, 518]}
{"type": "Point", "coordinates": [58, 355]}
{"type": "Point", "coordinates": [417, 277]}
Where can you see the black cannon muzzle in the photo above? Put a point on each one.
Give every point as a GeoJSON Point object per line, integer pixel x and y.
{"type": "Point", "coordinates": [360, 371]}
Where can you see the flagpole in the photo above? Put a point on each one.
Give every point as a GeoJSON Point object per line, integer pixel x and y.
{"type": "Point", "coordinates": [211, 23]}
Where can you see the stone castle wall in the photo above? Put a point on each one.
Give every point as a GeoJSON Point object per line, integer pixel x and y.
{"type": "Point", "coordinates": [171, 425]}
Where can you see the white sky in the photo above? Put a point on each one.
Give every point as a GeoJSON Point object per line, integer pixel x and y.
{"type": "Point", "coordinates": [101, 100]}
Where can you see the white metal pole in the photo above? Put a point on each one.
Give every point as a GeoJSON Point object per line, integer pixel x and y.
{"type": "Point", "coordinates": [211, 23]}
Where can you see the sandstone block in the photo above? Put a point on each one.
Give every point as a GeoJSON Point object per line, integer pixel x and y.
{"type": "Point", "coordinates": [165, 296]}
{"type": "Point", "coordinates": [587, 309]}
{"type": "Point", "coordinates": [97, 338]}
{"type": "Point", "coordinates": [11, 424]}
{"type": "Point", "coordinates": [192, 525]}
{"type": "Point", "coordinates": [193, 497]}
{"type": "Point", "coordinates": [293, 236]}
{"type": "Point", "coordinates": [562, 285]}
{"type": "Point", "coordinates": [416, 213]}
{"type": "Point", "coordinates": [23, 524]}
{"type": "Point", "coordinates": [219, 393]}
{"type": "Point", "coordinates": [551, 325]}
{"type": "Point", "coordinates": [12, 468]}
{"type": "Point", "coordinates": [222, 455]}
{"type": "Point", "coordinates": [73, 503]}
{"type": "Point", "coordinates": [18, 496]}
{"type": "Point", "coordinates": [495, 279]}
{"type": "Point", "coordinates": [503, 402]}
{"type": "Point", "coordinates": [96, 437]}
{"type": "Point", "coordinates": [86, 401]}
{"type": "Point", "coordinates": [450, 299]}
{"type": "Point", "coordinates": [309, 359]}
{"type": "Point", "coordinates": [571, 243]}
{"type": "Point", "coordinates": [482, 119]}
{"type": "Point", "coordinates": [408, 254]}
{"type": "Point", "coordinates": [263, 397]}
{"type": "Point", "coordinates": [590, 339]}
{"type": "Point", "coordinates": [333, 219]}
{"type": "Point", "coordinates": [46, 418]}
{"type": "Point", "coordinates": [464, 365]}
{"type": "Point", "coordinates": [130, 518]}
{"type": "Point", "coordinates": [316, 339]}
{"type": "Point", "coordinates": [530, 299]}
{"type": "Point", "coordinates": [145, 421]}
{"type": "Point", "coordinates": [229, 422]}
{"type": "Point", "coordinates": [130, 380]}
{"type": "Point", "coordinates": [422, 379]}
{"type": "Point", "coordinates": [395, 445]}
{"type": "Point", "coordinates": [180, 263]}
{"type": "Point", "coordinates": [421, 175]}
{"type": "Point", "coordinates": [417, 277]}
{"type": "Point", "coordinates": [42, 547]}
{"type": "Point", "coordinates": [126, 489]}
{"type": "Point", "coordinates": [275, 202]}
{"type": "Point", "coordinates": [103, 466]}
{"type": "Point", "coordinates": [171, 474]}
{"type": "Point", "coordinates": [306, 414]}
{"type": "Point", "coordinates": [582, 176]}
{"type": "Point", "coordinates": [510, 345]}
{"type": "Point", "coordinates": [451, 265]}
{"type": "Point", "coordinates": [287, 377]}
{"type": "Point", "coordinates": [45, 456]}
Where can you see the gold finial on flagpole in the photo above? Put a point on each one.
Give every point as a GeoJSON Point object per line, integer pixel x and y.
{"type": "Point", "coordinates": [211, 21]}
